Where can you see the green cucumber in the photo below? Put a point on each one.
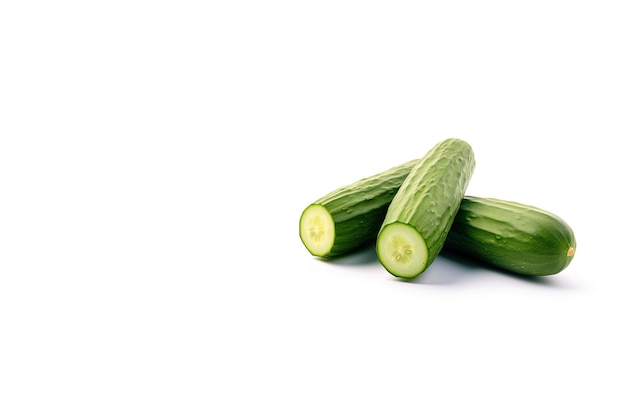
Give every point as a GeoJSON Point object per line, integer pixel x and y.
{"type": "Point", "coordinates": [422, 211]}
{"type": "Point", "coordinates": [512, 236]}
{"type": "Point", "coordinates": [349, 217]}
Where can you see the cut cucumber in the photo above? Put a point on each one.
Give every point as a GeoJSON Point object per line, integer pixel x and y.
{"type": "Point", "coordinates": [512, 236]}
{"type": "Point", "coordinates": [349, 217]}
{"type": "Point", "coordinates": [420, 215]}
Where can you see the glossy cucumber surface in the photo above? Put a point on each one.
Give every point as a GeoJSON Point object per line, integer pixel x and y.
{"type": "Point", "coordinates": [512, 236]}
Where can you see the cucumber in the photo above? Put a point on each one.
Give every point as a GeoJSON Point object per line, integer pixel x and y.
{"type": "Point", "coordinates": [349, 217]}
{"type": "Point", "coordinates": [512, 236]}
{"type": "Point", "coordinates": [420, 215]}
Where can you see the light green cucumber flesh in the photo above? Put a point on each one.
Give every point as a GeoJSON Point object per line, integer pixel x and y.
{"type": "Point", "coordinates": [317, 230]}
{"type": "Point", "coordinates": [420, 215]}
{"type": "Point", "coordinates": [402, 250]}
{"type": "Point", "coordinates": [350, 217]}
{"type": "Point", "coordinates": [515, 237]}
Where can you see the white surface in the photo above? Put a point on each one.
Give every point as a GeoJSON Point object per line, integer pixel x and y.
{"type": "Point", "coordinates": [155, 158]}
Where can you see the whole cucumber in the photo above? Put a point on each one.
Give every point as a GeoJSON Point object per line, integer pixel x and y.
{"type": "Point", "coordinates": [512, 236]}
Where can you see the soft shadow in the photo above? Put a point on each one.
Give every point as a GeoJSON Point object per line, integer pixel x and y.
{"type": "Point", "coordinates": [365, 255]}
{"type": "Point", "coordinates": [450, 268]}
{"type": "Point", "coordinates": [449, 271]}
{"type": "Point", "coordinates": [469, 264]}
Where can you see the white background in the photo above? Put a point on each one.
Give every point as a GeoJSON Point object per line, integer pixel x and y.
{"type": "Point", "coordinates": [155, 158]}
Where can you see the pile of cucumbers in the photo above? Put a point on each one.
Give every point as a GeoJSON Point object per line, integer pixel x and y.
{"type": "Point", "coordinates": [414, 210]}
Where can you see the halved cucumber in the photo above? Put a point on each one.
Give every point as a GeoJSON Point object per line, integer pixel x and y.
{"type": "Point", "coordinates": [349, 217]}
{"type": "Point", "coordinates": [422, 211]}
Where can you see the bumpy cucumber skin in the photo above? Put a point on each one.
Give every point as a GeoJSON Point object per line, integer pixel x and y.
{"type": "Point", "coordinates": [431, 194]}
{"type": "Point", "coordinates": [358, 209]}
{"type": "Point", "coordinates": [515, 237]}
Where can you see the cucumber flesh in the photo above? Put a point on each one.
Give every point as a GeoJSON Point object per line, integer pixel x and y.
{"type": "Point", "coordinates": [402, 250]}
{"type": "Point", "coordinates": [317, 230]}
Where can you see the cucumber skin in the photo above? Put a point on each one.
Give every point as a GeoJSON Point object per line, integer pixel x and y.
{"type": "Point", "coordinates": [431, 194]}
{"type": "Point", "coordinates": [358, 209]}
{"type": "Point", "coordinates": [512, 236]}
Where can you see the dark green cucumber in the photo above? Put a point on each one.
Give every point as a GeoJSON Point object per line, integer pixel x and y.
{"type": "Point", "coordinates": [350, 216]}
{"type": "Point", "coordinates": [421, 213]}
{"type": "Point", "coordinates": [512, 236]}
